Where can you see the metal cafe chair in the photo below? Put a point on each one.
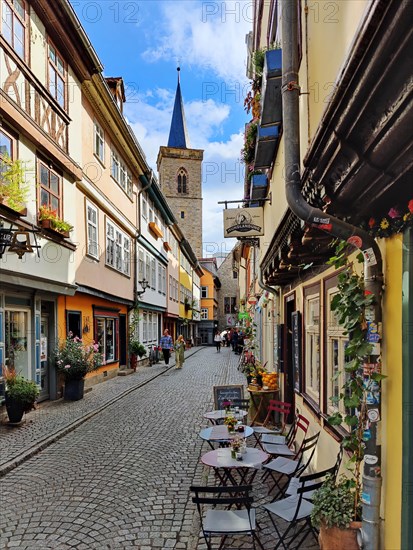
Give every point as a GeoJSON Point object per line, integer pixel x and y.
{"type": "Point", "coordinates": [216, 522]}
{"type": "Point", "coordinates": [283, 469]}
{"type": "Point", "coordinates": [289, 447]}
{"type": "Point", "coordinates": [296, 509]}
{"type": "Point", "coordinates": [274, 406]}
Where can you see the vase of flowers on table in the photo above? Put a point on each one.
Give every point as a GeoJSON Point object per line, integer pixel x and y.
{"type": "Point", "coordinates": [226, 404]}
{"type": "Point", "coordinates": [230, 421]}
{"type": "Point", "coordinates": [236, 444]}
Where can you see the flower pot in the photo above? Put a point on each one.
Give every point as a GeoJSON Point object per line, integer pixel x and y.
{"type": "Point", "coordinates": [133, 361]}
{"type": "Point", "coordinates": [74, 389]}
{"type": "Point", "coordinates": [333, 538]}
{"type": "Point", "coordinates": [15, 409]}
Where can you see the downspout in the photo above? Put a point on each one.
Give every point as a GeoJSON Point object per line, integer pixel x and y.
{"type": "Point", "coordinates": [355, 236]}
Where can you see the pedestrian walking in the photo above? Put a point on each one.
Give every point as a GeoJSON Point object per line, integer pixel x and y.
{"type": "Point", "coordinates": [167, 345]}
{"type": "Point", "coordinates": [234, 341]}
{"type": "Point", "coordinates": [218, 340]}
{"type": "Point", "coordinates": [179, 352]}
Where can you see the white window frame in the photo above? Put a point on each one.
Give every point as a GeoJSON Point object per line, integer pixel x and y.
{"type": "Point", "coordinates": [204, 290]}
{"type": "Point", "coordinates": [204, 314]}
{"type": "Point", "coordinates": [144, 208]}
{"type": "Point", "coordinates": [92, 226]}
{"type": "Point", "coordinates": [120, 173]}
{"type": "Point", "coordinates": [118, 247]}
{"type": "Point", "coordinates": [337, 342]}
{"type": "Point", "coordinates": [312, 347]}
{"type": "Point", "coordinates": [99, 142]}
{"type": "Point", "coordinates": [153, 273]}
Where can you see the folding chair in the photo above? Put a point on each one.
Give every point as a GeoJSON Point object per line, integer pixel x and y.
{"type": "Point", "coordinates": [300, 428]}
{"type": "Point", "coordinates": [297, 508]}
{"type": "Point", "coordinates": [282, 467]}
{"type": "Point", "coordinates": [274, 406]}
{"type": "Point", "coordinates": [223, 523]}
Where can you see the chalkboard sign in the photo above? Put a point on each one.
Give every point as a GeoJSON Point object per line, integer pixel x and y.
{"type": "Point", "coordinates": [227, 393]}
{"type": "Point", "coordinates": [296, 342]}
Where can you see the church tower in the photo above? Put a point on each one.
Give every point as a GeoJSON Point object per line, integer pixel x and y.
{"type": "Point", "coordinates": [180, 176]}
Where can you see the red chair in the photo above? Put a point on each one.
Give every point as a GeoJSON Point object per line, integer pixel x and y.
{"type": "Point", "coordinates": [274, 406]}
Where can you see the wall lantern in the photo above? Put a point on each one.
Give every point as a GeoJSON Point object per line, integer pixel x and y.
{"type": "Point", "coordinates": [144, 284]}
{"type": "Point", "coordinates": [17, 240]}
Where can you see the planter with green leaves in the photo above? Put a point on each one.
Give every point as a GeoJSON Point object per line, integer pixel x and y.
{"type": "Point", "coordinates": [48, 219]}
{"type": "Point", "coordinates": [21, 395]}
{"type": "Point", "coordinates": [136, 350]}
{"type": "Point", "coordinates": [13, 188]}
{"type": "Point", "coordinates": [332, 514]}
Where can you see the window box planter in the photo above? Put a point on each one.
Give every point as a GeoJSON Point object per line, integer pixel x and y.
{"type": "Point", "coordinates": [167, 246]}
{"type": "Point", "coordinates": [267, 146]}
{"type": "Point", "coordinates": [48, 224]}
{"type": "Point", "coordinates": [155, 230]}
{"type": "Point", "coordinates": [271, 105]}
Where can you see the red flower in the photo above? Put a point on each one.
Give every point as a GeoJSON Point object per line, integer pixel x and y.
{"type": "Point", "coordinates": [410, 206]}
{"type": "Point", "coordinates": [372, 222]}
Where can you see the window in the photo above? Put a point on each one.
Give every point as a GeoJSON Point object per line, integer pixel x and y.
{"type": "Point", "coordinates": [57, 76]}
{"type": "Point", "coordinates": [153, 273]}
{"type": "Point", "coordinates": [159, 278]}
{"type": "Point", "coordinates": [74, 323]}
{"type": "Point", "coordinates": [117, 249]}
{"type": "Point", "coordinates": [204, 292]}
{"type": "Point", "coordinates": [120, 173]}
{"type": "Point", "coordinates": [6, 145]}
{"type": "Point", "coordinates": [148, 268]}
{"type": "Point", "coordinates": [150, 213]}
{"type": "Point", "coordinates": [92, 230]}
{"type": "Point", "coordinates": [182, 181]}
{"type": "Point", "coordinates": [144, 208]}
{"type": "Point", "coordinates": [50, 188]}
{"type": "Point", "coordinates": [163, 280]}
{"type": "Point", "coordinates": [99, 142]}
{"type": "Point", "coordinates": [336, 346]}
{"type": "Point", "coordinates": [106, 337]}
{"type": "Point", "coordinates": [312, 346]}
{"type": "Point", "coordinates": [204, 313]}
{"type": "Point", "coordinates": [145, 327]}
{"type": "Point", "coordinates": [141, 265]}
{"type": "Point", "coordinates": [229, 304]}
{"type": "Point", "coordinates": [235, 274]}
{"type": "Point", "coordinates": [182, 215]}
{"type": "Point", "coordinates": [13, 24]}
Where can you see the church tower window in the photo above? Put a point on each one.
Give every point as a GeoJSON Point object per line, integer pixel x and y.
{"type": "Point", "coordinates": [182, 181]}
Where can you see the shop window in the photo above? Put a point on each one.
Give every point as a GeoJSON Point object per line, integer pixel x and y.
{"type": "Point", "coordinates": [74, 323]}
{"type": "Point", "coordinates": [106, 337]}
{"type": "Point", "coordinates": [312, 346]}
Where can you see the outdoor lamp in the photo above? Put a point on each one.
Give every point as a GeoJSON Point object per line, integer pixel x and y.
{"type": "Point", "coordinates": [144, 284]}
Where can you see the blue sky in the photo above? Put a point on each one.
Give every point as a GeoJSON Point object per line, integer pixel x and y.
{"type": "Point", "coordinates": [144, 41]}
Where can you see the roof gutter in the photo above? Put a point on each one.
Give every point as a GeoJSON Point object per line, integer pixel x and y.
{"type": "Point", "coordinates": [353, 235]}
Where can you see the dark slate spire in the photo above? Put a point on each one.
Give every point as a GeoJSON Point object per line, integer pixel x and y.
{"type": "Point", "coordinates": [178, 136]}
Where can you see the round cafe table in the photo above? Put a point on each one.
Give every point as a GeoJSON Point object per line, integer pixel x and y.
{"type": "Point", "coordinates": [220, 434]}
{"type": "Point", "coordinates": [216, 417]}
{"type": "Point", "coordinates": [231, 471]}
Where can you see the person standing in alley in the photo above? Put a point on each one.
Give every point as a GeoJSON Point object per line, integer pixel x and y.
{"type": "Point", "coordinates": [179, 352]}
{"type": "Point", "coordinates": [166, 344]}
{"type": "Point", "coordinates": [218, 340]}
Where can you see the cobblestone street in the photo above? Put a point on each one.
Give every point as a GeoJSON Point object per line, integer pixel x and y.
{"type": "Point", "coordinates": [122, 477]}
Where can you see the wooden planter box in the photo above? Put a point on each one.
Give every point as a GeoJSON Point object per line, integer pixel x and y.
{"type": "Point", "coordinates": [48, 224]}
{"type": "Point", "coordinates": [7, 209]}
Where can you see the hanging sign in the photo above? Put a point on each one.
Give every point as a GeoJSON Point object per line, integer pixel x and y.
{"type": "Point", "coordinates": [243, 222]}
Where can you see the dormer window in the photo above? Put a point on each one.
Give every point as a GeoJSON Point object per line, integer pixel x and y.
{"type": "Point", "coordinates": [182, 181]}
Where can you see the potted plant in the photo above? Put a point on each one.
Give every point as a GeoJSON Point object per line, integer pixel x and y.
{"type": "Point", "coordinates": [136, 349]}
{"type": "Point", "coordinates": [333, 514]}
{"type": "Point", "coordinates": [74, 360]}
{"type": "Point", "coordinates": [20, 394]}
{"type": "Point", "coordinates": [49, 219]}
{"type": "Point", "coordinates": [13, 188]}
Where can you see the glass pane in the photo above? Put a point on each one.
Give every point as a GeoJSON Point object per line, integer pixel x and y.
{"type": "Point", "coordinates": [60, 66]}
{"type": "Point", "coordinates": [19, 7]}
{"type": "Point", "coordinates": [52, 53]}
{"type": "Point", "coordinates": [44, 175]}
{"type": "Point", "coordinates": [5, 145]}
{"type": "Point", "coordinates": [6, 23]}
{"type": "Point", "coordinates": [18, 38]}
{"type": "Point", "coordinates": [44, 198]}
{"type": "Point", "coordinates": [110, 340]}
{"type": "Point", "coordinates": [54, 183]}
{"type": "Point", "coordinates": [60, 92]}
{"type": "Point", "coordinates": [16, 345]}
{"type": "Point", "coordinates": [100, 329]}
{"type": "Point", "coordinates": [54, 203]}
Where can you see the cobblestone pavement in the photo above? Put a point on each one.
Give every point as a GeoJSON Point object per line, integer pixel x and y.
{"type": "Point", "coordinates": [121, 478]}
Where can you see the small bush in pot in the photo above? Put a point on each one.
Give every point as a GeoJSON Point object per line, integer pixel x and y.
{"type": "Point", "coordinates": [21, 394]}
{"type": "Point", "coordinates": [333, 513]}
{"type": "Point", "coordinates": [137, 348]}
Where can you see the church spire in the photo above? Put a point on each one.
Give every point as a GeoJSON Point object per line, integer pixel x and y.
{"type": "Point", "coordinates": [178, 136]}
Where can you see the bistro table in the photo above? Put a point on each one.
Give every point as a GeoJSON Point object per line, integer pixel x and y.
{"type": "Point", "coordinates": [220, 434]}
{"type": "Point", "coordinates": [231, 471]}
{"type": "Point", "coordinates": [216, 417]}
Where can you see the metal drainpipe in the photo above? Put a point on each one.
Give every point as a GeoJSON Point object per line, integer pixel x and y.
{"type": "Point", "coordinates": [373, 276]}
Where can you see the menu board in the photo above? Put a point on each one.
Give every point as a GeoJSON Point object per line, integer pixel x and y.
{"type": "Point", "coordinates": [227, 393]}
{"type": "Point", "coordinates": [296, 348]}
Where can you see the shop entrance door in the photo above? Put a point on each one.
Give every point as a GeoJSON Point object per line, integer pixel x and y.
{"type": "Point", "coordinates": [44, 358]}
{"type": "Point", "coordinates": [18, 341]}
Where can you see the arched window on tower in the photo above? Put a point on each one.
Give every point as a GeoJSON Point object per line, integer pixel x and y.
{"type": "Point", "coordinates": [182, 180]}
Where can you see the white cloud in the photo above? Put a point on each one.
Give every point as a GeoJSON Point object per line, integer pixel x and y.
{"type": "Point", "coordinates": [209, 35]}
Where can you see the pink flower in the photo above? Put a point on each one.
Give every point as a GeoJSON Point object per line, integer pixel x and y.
{"type": "Point", "coordinates": [393, 213]}
{"type": "Point", "coordinates": [67, 367]}
{"type": "Point", "coordinates": [95, 347]}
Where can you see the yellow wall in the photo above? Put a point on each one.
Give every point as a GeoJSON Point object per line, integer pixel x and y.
{"type": "Point", "coordinates": [207, 280]}
{"type": "Point", "coordinates": [392, 393]}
